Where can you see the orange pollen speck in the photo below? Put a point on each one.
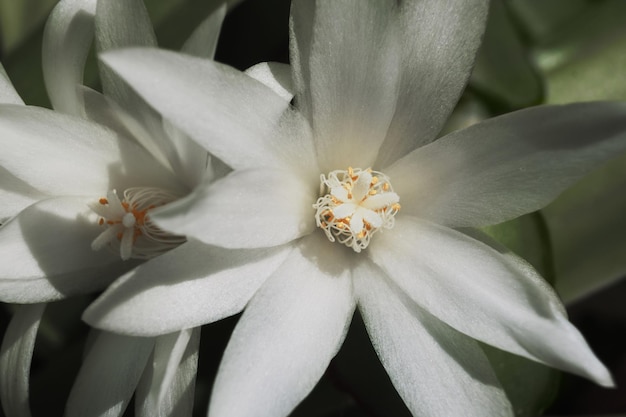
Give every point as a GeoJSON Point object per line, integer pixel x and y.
{"type": "Point", "coordinates": [103, 201]}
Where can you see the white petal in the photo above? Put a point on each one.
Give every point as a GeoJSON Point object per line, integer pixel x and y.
{"type": "Point", "coordinates": [16, 355]}
{"type": "Point", "coordinates": [167, 385]}
{"type": "Point", "coordinates": [246, 209]}
{"type": "Point", "coordinates": [346, 85]}
{"type": "Point", "coordinates": [66, 43]}
{"type": "Point", "coordinates": [125, 23]}
{"type": "Point", "coordinates": [287, 335]}
{"type": "Point", "coordinates": [119, 24]}
{"type": "Point", "coordinates": [63, 155]}
{"type": "Point", "coordinates": [203, 40]}
{"type": "Point", "coordinates": [15, 195]}
{"type": "Point", "coordinates": [509, 165]}
{"type": "Point", "coordinates": [191, 285]}
{"type": "Point", "coordinates": [489, 295]}
{"type": "Point", "coordinates": [439, 40]}
{"type": "Point", "coordinates": [108, 377]}
{"type": "Point", "coordinates": [105, 111]}
{"type": "Point", "coordinates": [190, 161]}
{"type": "Point", "coordinates": [276, 76]}
{"type": "Point", "coordinates": [235, 117]}
{"type": "Point", "coordinates": [45, 253]}
{"type": "Point", "coordinates": [8, 95]}
{"type": "Point", "coordinates": [436, 370]}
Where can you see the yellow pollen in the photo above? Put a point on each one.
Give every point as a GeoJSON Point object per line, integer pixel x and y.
{"type": "Point", "coordinates": [367, 203]}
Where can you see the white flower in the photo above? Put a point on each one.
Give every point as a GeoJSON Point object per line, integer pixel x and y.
{"type": "Point", "coordinates": [374, 83]}
{"type": "Point", "coordinates": [77, 199]}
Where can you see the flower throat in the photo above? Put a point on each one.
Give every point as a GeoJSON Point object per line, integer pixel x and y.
{"type": "Point", "coordinates": [355, 204]}
{"type": "Point", "coordinates": [128, 228]}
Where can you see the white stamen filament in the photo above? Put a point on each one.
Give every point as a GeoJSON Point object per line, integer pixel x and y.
{"type": "Point", "coordinates": [128, 227]}
{"type": "Point", "coordinates": [355, 204]}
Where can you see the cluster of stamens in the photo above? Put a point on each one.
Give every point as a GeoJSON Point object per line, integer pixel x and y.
{"type": "Point", "coordinates": [355, 204]}
{"type": "Point", "coordinates": [127, 223]}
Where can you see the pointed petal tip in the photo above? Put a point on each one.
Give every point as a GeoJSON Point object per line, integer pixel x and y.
{"type": "Point", "coordinates": [601, 376]}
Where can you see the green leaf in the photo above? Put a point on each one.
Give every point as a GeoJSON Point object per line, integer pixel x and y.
{"type": "Point", "coordinates": [587, 224]}
{"type": "Point", "coordinates": [530, 386]}
{"type": "Point", "coordinates": [543, 19]}
{"type": "Point", "coordinates": [503, 70]}
{"type": "Point", "coordinates": [587, 61]}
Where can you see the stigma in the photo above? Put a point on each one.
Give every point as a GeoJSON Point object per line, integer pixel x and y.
{"type": "Point", "coordinates": [127, 226]}
{"type": "Point", "coordinates": [355, 204]}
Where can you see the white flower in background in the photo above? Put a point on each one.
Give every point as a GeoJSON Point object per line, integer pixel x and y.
{"type": "Point", "coordinates": [77, 203]}
{"type": "Point", "coordinates": [374, 83]}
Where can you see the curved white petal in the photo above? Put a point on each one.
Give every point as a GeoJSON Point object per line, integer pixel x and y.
{"type": "Point", "coordinates": [166, 143]}
{"type": "Point", "coordinates": [246, 209]}
{"type": "Point", "coordinates": [276, 76]}
{"type": "Point", "coordinates": [63, 155]}
{"type": "Point", "coordinates": [236, 118]}
{"type": "Point", "coordinates": [119, 24]}
{"type": "Point", "coordinates": [15, 195]}
{"type": "Point", "coordinates": [436, 370]}
{"type": "Point", "coordinates": [8, 95]}
{"type": "Point", "coordinates": [438, 40]}
{"type": "Point", "coordinates": [191, 285]}
{"type": "Point", "coordinates": [346, 62]}
{"type": "Point", "coordinates": [66, 42]}
{"type": "Point", "coordinates": [491, 296]}
{"type": "Point", "coordinates": [45, 253]}
{"type": "Point", "coordinates": [16, 355]}
{"type": "Point", "coordinates": [167, 385]}
{"type": "Point", "coordinates": [190, 161]}
{"type": "Point", "coordinates": [103, 110]}
{"type": "Point", "coordinates": [509, 165]}
{"type": "Point", "coordinates": [287, 335]}
{"type": "Point", "coordinates": [109, 375]}
{"type": "Point", "coordinates": [203, 40]}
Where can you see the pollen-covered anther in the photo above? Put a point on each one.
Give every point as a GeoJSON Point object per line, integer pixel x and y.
{"type": "Point", "coordinates": [355, 204]}
{"type": "Point", "coordinates": [127, 225]}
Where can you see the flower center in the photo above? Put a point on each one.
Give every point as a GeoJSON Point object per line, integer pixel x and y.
{"type": "Point", "coordinates": [355, 204]}
{"type": "Point", "coordinates": [127, 224]}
